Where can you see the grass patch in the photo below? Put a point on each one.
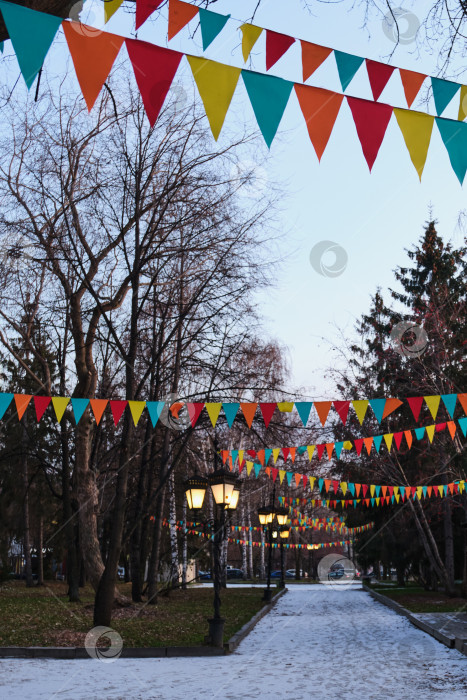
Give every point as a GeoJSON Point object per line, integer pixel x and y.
{"type": "Point", "coordinates": [418, 600]}
{"type": "Point", "coordinates": [42, 616]}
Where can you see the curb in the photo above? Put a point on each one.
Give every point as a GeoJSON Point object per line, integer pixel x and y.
{"type": "Point", "coordinates": [234, 641]}
{"type": "Point", "coordinates": [142, 652]}
{"type": "Point", "coordinates": [448, 640]}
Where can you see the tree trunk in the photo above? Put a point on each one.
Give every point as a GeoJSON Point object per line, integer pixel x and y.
{"type": "Point", "coordinates": [250, 548]}
{"type": "Point", "coordinates": [244, 549]}
{"type": "Point", "coordinates": [184, 546]}
{"type": "Point", "coordinates": [69, 521]}
{"type": "Point", "coordinates": [26, 526]}
{"type": "Point", "coordinates": [139, 533]}
{"type": "Point", "coordinates": [174, 560]}
{"type": "Point", "coordinates": [448, 545]}
{"type": "Point", "coordinates": [428, 541]}
{"type": "Point", "coordinates": [400, 569]}
{"type": "Point", "coordinates": [262, 568]}
{"type": "Point", "coordinates": [40, 556]}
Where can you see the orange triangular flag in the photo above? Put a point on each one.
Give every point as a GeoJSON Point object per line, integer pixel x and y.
{"type": "Point", "coordinates": [98, 407]}
{"type": "Point", "coordinates": [22, 402]}
{"type": "Point", "coordinates": [320, 109]}
{"type": "Point", "coordinates": [462, 398]}
{"type": "Point", "coordinates": [329, 448]}
{"type": "Point", "coordinates": [93, 53]}
{"type": "Point", "coordinates": [322, 409]}
{"type": "Point", "coordinates": [368, 443]}
{"type": "Point", "coordinates": [452, 429]}
{"type": "Point", "coordinates": [411, 82]}
{"type": "Point", "coordinates": [390, 406]}
{"type": "Point", "coordinates": [298, 478]}
{"type": "Point", "coordinates": [408, 437]}
{"type": "Point", "coordinates": [180, 13]}
{"type": "Point", "coordinates": [249, 410]}
{"type": "Point", "coordinates": [312, 57]}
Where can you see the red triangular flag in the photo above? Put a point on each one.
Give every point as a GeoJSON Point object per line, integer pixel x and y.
{"type": "Point", "coordinates": [378, 75]}
{"type": "Point", "coordinates": [117, 408]}
{"type": "Point", "coordinates": [320, 109]}
{"type": "Point", "coordinates": [22, 402]}
{"type": "Point", "coordinates": [320, 450]}
{"type": "Point", "coordinates": [40, 404]}
{"type": "Point", "coordinates": [305, 478]}
{"type": "Point", "coordinates": [391, 490]}
{"type": "Point", "coordinates": [180, 13]}
{"type": "Point", "coordinates": [285, 452]}
{"type": "Point", "coordinates": [267, 410]}
{"type": "Point", "coordinates": [276, 46]}
{"type": "Point", "coordinates": [342, 408]}
{"type": "Point", "coordinates": [312, 57]}
{"type": "Point", "coordinates": [398, 439]}
{"type": "Point", "coordinates": [415, 403]}
{"type": "Point", "coordinates": [335, 486]}
{"type": "Point", "coordinates": [194, 411]}
{"type": "Point", "coordinates": [371, 121]}
{"type": "Point", "coordinates": [274, 473]}
{"type": "Point", "coordinates": [358, 445]}
{"type": "Point", "coordinates": [144, 8]}
{"type": "Point", "coordinates": [411, 82]}
{"type": "Point", "coordinates": [154, 68]}
{"type": "Point", "coordinates": [364, 489]}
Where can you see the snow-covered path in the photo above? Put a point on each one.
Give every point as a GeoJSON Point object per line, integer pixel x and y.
{"type": "Point", "coordinates": [318, 642]}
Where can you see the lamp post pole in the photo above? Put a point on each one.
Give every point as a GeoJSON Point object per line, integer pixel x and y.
{"type": "Point", "coordinates": [267, 590]}
{"type": "Point", "coordinates": [216, 623]}
{"type": "Point", "coordinates": [282, 584]}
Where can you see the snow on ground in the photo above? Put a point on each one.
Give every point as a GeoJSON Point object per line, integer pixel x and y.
{"type": "Point", "coordinates": [318, 642]}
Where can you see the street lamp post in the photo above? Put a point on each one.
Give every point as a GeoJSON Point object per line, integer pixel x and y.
{"type": "Point", "coordinates": [266, 517]}
{"type": "Point", "coordinates": [225, 490]}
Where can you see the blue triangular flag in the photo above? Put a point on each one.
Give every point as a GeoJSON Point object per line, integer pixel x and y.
{"type": "Point", "coordinates": [212, 23]}
{"type": "Point", "coordinates": [378, 408]}
{"type": "Point", "coordinates": [449, 401]}
{"type": "Point", "coordinates": [234, 455]}
{"type": "Point", "coordinates": [351, 487]}
{"type": "Point", "coordinates": [267, 454]}
{"type": "Point", "coordinates": [338, 447]}
{"type": "Point", "coordinates": [5, 400]}
{"type": "Point", "coordinates": [257, 469]}
{"type": "Point", "coordinates": [377, 490]}
{"type": "Point", "coordinates": [79, 406]}
{"type": "Point", "coordinates": [303, 410]}
{"type": "Point", "coordinates": [377, 442]}
{"type": "Point", "coordinates": [269, 97]}
{"type": "Point", "coordinates": [454, 135]}
{"type": "Point", "coordinates": [443, 92]}
{"type": "Point", "coordinates": [301, 449]}
{"type": "Point", "coordinates": [230, 410]}
{"type": "Point", "coordinates": [373, 502]}
{"type": "Point", "coordinates": [289, 477]}
{"type": "Point", "coordinates": [155, 409]}
{"type": "Point", "coordinates": [31, 34]}
{"type": "Point", "coordinates": [463, 425]}
{"type": "Point", "coordinates": [419, 433]}
{"type": "Point", "coordinates": [347, 66]}
{"type": "Point", "coordinates": [320, 484]}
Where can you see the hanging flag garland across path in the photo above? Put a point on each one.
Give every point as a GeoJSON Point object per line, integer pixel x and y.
{"type": "Point", "coordinates": [155, 68]}
{"type": "Point", "coordinates": [313, 55]}
{"type": "Point", "coordinates": [381, 408]}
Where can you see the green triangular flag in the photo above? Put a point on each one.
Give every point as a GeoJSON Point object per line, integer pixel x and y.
{"type": "Point", "coordinates": [31, 34]}
{"type": "Point", "coordinates": [268, 96]}
{"type": "Point", "coordinates": [443, 92]}
{"type": "Point", "coordinates": [211, 24]}
{"type": "Point", "coordinates": [347, 66]}
{"type": "Point", "coordinates": [454, 135]}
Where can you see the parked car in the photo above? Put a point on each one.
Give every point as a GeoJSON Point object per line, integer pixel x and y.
{"type": "Point", "coordinates": [290, 573]}
{"type": "Point", "coordinates": [234, 573]}
{"type": "Point", "coordinates": [275, 574]}
{"type": "Point", "coordinates": [204, 575]}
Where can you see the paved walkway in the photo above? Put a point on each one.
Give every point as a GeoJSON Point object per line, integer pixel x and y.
{"type": "Point", "coordinates": [318, 642]}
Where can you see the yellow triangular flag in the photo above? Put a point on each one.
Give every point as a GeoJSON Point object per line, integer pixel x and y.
{"type": "Point", "coordinates": [110, 8]}
{"type": "Point", "coordinates": [213, 410]}
{"type": "Point", "coordinates": [463, 104]}
{"type": "Point", "coordinates": [397, 497]}
{"type": "Point", "coordinates": [388, 440]}
{"type": "Point", "coordinates": [347, 445]}
{"type": "Point", "coordinates": [461, 486]}
{"type": "Point", "coordinates": [281, 475]}
{"type": "Point", "coordinates": [312, 480]}
{"type": "Point", "coordinates": [419, 493]}
{"type": "Point", "coordinates": [136, 408]}
{"type": "Point", "coordinates": [310, 449]}
{"type": "Point", "coordinates": [360, 408]}
{"type": "Point", "coordinates": [250, 35]}
{"type": "Point", "coordinates": [372, 490]}
{"type": "Point", "coordinates": [216, 85]}
{"type": "Point", "coordinates": [396, 490]}
{"type": "Point", "coordinates": [441, 490]}
{"type": "Point", "coordinates": [416, 128]}
{"type": "Point", "coordinates": [275, 453]}
{"type": "Point", "coordinates": [433, 404]}
{"type": "Point", "coordinates": [344, 487]}
{"type": "Point", "coordinates": [60, 404]}
{"type": "Point", "coordinates": [377, 501]}
{"type": "Point", "coordinates": [430, 431]}
{"type": "Point", "coordinates": [285, 406]}
{"type": "Point", "coordinates": [240, 456]}
{"type": "Point", "coordinates": [249, 467]}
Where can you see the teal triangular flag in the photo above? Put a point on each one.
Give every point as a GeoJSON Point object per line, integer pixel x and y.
{"type": "Point", "coordinates": [268, 96]}
{"type": "Point", "coordinates": [377, 490]}
{"type": "Point", "coordinates": [31, 34]}
{"type": "Point", "coordinates": [454, 135]}
{"type": "Point", "coordinates": [79, 406]}
{"type": "Point", "coordinates": [443, 92]}
{"type": "Point", "coordinates": [373, 502]}
{"type": "Point", "coordinates": [377, 442]}
{"type": "Point", "coordinates": [392, 498]}
{"type": "Point", "coordinates": [424, 489]}
{"type": "Point", "coordinates": [267, 454]}
{"type": "Point", "coordinates": [2, 46]}
{"type": "Point", "coordinates": [347, 66]}
{"type": "Point", "coordinates": [303, 410]}
{"type": "Point", "coordinates": [463, 425]}
{"type": "Point", "coordinates": [212, 23]}
{"type": "Point", "coordinates": [419, 433]}
{"type": "Point", "coordinates": [449, 401]}
{"type": "Point", "coordinates": [5, 400]}
{"type": "Point", "coordinates": [234, 455]}
{"type": "Point", "coordinates": [378, 408]}
{"type": "Point", "coordinates": [351, 487]}
{"type": "Point", "coordinates": [155, 409]}
{"type": "Point", "coordinates": [320, 484]}
{"type": "Point", "coordinates": [289, 477]}
{"type": "Point", "coordinates": [230, 410]}
{"type": "Point", "coordinates": [338, 447]}
{"type": "Point", "coordinates": [257, 469]}
{"type": "Point", "coordinates": [301, 449]}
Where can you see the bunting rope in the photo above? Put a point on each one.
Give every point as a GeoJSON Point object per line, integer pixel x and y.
{"type": "Point", "coordinates": [93, 53]}
{"type": "Point", "coordinates": [381, 407]}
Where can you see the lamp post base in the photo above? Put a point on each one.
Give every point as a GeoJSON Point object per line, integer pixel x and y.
{"type": "Point", "coordinates": [216, 632]}
{"type": "Point", "coordinates": [267, 595]}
